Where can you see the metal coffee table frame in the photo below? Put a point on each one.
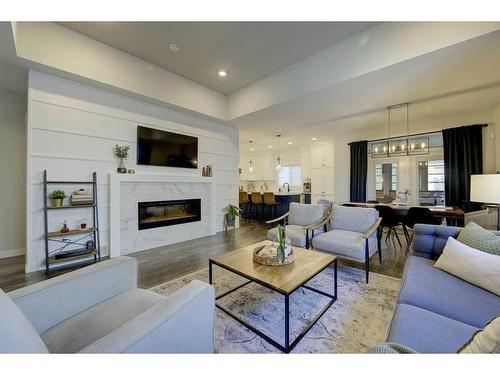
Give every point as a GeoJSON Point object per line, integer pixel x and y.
{"type": "Point", "coordinates": [288, 345]}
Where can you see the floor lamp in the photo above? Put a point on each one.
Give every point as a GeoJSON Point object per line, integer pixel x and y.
{"type": "Point", "coordinates": [486, 188]}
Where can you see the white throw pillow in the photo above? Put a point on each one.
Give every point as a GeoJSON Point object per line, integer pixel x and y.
{"type": "Point", "coordinates": [484, 341]}
{"type": "Point", "coordinates": [474, 266]}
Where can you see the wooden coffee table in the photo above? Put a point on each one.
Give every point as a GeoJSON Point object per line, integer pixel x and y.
{"type": "Point", "coordinates": [282, 279]}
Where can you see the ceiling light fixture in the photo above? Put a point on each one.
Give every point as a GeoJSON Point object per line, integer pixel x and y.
{"type": "Point", "coordinates": [174, 47]}
{"type": "Point", "coordinates": [278, 163]}
{"type": "Point", "coordinates": [290, 143]}
{"type": "Point", "coordinates": [269, 146]}
{"type": "Point", "coordinates": [222, 73]}
{"type": "Point", "coordinates": [252, 149]}
{"type": "Point", "coordinates": [314, 139]}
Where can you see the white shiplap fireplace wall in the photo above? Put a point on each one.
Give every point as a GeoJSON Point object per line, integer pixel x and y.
{"type": "Point", "coordinates": [72, 129]}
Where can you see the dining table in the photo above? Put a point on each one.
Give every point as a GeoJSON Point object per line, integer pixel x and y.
{"type": "Point", "coordinates": [454, 215]}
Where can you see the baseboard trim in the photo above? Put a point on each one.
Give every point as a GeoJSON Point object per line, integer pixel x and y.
{"type": "Point", "coordinates": [12, 253]}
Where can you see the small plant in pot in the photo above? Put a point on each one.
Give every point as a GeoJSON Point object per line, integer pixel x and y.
{"type": "Point", "coordinates": [231, 212]}
{"type": "Point", "coordinates": [121, 152]}
{"type": "Point", "coordinates": [280, 250]}
{"type": "Point", "coordinates": [57, 197]}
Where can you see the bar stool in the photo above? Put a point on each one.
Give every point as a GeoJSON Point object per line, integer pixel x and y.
{"type": "Point", "coordinates": [257, 205]}
{"type": "Point", "coordinates": [244, 203]}
{"type": "Point", "coordinates": [269, 205]}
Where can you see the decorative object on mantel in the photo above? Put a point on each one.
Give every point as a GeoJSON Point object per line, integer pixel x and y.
{"type": "Point", "coordinates": [56, 198]}
{"type": "Point", "coordinates": [131, 171]}
{"type": "Point", "coordinates": [277, 254]}
{"type": "Point", "coordinates": [64, 228]}
{"type": "Point", "coordinates": [232, 212]}
{"type": "Point", "coordinates": [72, 249]}
{"type": "Point", "coordinates": [207, 171]}
{"type": "Point", "coordinates": [121, 152]}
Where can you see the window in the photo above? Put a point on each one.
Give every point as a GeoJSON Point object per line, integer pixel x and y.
{"type": "Point", "coordinates": [431, 182]}
{"type": "Point", "coordinates": [290, 174]}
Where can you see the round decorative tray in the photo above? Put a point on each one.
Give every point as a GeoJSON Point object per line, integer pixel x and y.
{"type": "Point", "coordinates": [266, 255]}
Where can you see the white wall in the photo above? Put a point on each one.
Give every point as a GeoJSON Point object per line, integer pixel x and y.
{"type": "Point", "coordinates": [13, 173]}
{"type": "Point", "coordinates": [342, 152]}
{"type": "Point", "coordinates": [72, 129]}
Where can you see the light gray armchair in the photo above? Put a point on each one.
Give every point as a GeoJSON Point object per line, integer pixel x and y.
{"type": "Point", "coordinates": [354, 235]}
{"type": "Point", "coordinates": [302, 223]}
{"type": "Point", "coordinates": [99, 309]}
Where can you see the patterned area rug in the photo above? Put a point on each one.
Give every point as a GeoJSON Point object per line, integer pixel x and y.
{"type": "Point", "coordinates": [357, 321]}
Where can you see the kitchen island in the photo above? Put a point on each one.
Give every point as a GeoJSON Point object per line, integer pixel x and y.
{"type": "Point", "coordinates": [283, 200]}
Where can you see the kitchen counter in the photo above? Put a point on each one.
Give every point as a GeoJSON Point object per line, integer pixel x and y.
{"type": "Point", "coordinates": [283, 200]}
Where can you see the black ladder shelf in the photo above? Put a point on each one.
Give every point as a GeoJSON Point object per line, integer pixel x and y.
{"type": "Point", "coordinates": [67, 255]}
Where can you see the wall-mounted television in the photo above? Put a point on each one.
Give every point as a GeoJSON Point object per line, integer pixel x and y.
{"type": "Point", "coordinates": [162, 148]}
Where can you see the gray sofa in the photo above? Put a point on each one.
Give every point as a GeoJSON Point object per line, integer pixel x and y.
{"type": "Point", "coordinates": [437, 312]}
{"type": "Point", "coordinates": [99, 309]}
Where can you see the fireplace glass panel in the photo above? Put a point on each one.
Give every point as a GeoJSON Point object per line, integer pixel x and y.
{"type": "Point", "coordinates": [166, 213]}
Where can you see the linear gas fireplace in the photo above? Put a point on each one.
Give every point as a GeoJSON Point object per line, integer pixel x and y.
{"type": "Point", "coordinates": [165, 213]}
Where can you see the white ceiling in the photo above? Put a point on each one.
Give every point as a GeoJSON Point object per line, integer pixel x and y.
{"type": "Point", "coordinates": [248, 51]}
{"type": "Point", "coordinates": [457, 79]}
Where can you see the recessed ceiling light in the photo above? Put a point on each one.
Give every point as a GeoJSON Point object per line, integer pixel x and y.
{"type": "Point", "coordinates": [269, 146]}
{"type": "Point", "coordinates": [290, 143]}
{"type": "Point", "coordinates": [174, 47]}
{"type": "Point", "coordinates": [222, 73]}
{"type": "Point", "coordinates": [314, 139]}
{"type": "Point", "coordinates": [252, 149]}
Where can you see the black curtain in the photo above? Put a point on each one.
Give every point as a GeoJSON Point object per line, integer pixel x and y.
{"type": "Point", "coordinates": [463, 156]}
{"type": "Point", "coordinates": [359, 165]}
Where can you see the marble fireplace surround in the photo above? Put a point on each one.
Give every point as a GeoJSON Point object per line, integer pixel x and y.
{"type": "Point", "coordinates": [126, 190]}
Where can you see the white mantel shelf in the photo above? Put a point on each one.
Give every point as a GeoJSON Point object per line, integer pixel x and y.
{"type": "Point", "coordinates": [139, 177]}
{"type": "Point", "coordinates": [115, 181]}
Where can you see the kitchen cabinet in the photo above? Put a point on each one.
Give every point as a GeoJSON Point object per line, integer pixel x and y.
{"type": "Point", "coordinates": [322, 180]}
{"type": "Point", "coordinates": [322, 155]}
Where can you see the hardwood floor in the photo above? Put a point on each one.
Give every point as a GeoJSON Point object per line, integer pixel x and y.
{"type": "Point", "coordinates": [157, 266]}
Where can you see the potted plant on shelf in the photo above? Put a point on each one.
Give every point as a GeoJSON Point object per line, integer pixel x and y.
{"type": "Point", "coordinates": [231, 212]}
{"type": "Point", "coordinates": [121, 152]}
{"type": "Point", "coordinates": [56, 198]}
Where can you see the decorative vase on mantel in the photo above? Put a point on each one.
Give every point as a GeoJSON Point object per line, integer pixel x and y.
{"type": "Point", "coordinates": [121, 168]}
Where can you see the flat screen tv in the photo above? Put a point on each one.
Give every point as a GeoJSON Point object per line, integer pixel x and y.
{"type": "Point", "coordinates": [161, 148]}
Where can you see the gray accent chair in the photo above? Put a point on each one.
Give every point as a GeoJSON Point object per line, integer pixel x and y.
{"type": "Point", "coordinates": [99, 309]}
{"type": "Point", "coordinates": [302, 222]}
{"type": "Point", "coordinates": [354, 234]}
{"type": "Point", "coordinates": [437, 312]}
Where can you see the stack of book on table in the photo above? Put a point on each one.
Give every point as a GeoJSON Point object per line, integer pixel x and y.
{"type": "Point", "coordinates": [81, 199]}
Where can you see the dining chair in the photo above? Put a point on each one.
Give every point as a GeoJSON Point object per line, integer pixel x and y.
{"type": "Point", "coordinates": [418, 215]}
{"type": "Point", "coordinates": [390, 220]}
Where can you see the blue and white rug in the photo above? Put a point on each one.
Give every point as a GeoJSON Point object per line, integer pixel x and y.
{"type": "Point", "coordinates": [357, 321]}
